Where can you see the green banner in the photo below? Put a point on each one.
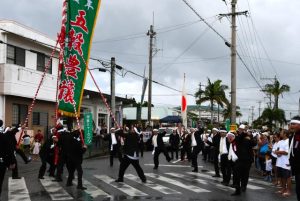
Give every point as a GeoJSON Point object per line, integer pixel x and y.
{"type": "Point", "coordinates": [88, 128]}
{"type": "Point", "coordinates": [79, 20]}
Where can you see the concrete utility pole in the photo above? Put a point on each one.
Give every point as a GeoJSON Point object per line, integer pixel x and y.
{"type": "Point", "coordinates": [232, 46]}
{"type": "Point", "coordinates": [259, 108]}
{"type": "Point", "coordinates": [150, 33]}
{"type": "Point", "coordinates": [112, 90]}
{"type": "Point", "coordinates": [252, 114]}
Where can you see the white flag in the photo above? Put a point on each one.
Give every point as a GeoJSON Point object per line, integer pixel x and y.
{"type": "Point", "coordinates": [184, 105]}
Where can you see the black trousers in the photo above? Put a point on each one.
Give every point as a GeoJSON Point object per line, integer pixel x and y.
{"type": "Point", "coordinates": [15, 172]}
{"type": "Point", "coordinates": [195, 152]}
{"type": "Point", "coordinates": [174, 149]}
{"type": "Point", "coordinates": [60, 165]}
{"type": "Point", "coordinates": [297, 178]}
{"type": "Point", "coordinates": [135, 163]}
{"type": "Point", "coordinates": [22, 154]}
{"type": "Point", "coordinates": [116, 151]}
{"type": "Point", "coordinates": [241, 174]}
{"type": "Point", "coordinates": [2, 174]}
{"type": "Point", "coordinates": [141, 149]}
{"type": "Point", "coordinates": [186, 149]}
{"type": "Point", "coordinates": [44, 166]}
{"type": "Point", "coordinates": [216, 162]}
{"type": "Point", "coordinates": [157, 151]}
{"type": "Point", "coordinates": [72, 166]}
{"type": "Point", "coordinates": [225, 168]}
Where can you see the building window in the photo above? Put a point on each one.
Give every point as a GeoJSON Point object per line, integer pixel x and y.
{"type": "Point", "coordinates": [19, 113]}
{"type": "Point", "coordinates": [15, 55]}
{"type": "Point", "coordinates": [40, 118]}
{"type": "Point", "coordinates": [42, 62]}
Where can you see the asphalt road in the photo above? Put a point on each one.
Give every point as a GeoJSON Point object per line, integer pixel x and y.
{"type": "Point", "coordinates": [172, 181]}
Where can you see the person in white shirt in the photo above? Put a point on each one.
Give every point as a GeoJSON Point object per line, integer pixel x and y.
{"type": "Point", "coordinates": [274, 147]}
{"type": "Point", "coordinates": [283, 165]}
{"type": "Point", "coordinates": [223, 156]}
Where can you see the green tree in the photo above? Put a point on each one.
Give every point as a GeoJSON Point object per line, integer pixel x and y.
{"type": "Point", "coordinates": [227, 112]}
{"type": "Point", "coordinates": [270, 116]}
{"type": "Point", "coordinates": [214, 93]}
{"type": "Point", "coordinates": [276, 90]}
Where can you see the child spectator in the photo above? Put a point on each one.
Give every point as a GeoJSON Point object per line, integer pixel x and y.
{"type": "Point", "coordinates": [268, 167]}
{"type": "Point", "coordinates": [36, 150]}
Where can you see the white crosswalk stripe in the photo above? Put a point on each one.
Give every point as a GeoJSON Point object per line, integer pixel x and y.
{"type": "Point", "coordinates": [93, 190]}
{"type": "Point", "coordinates": [249, 186]}
{"type": "Point", "coordinates": [155, 186]}
{"type": "Point", "coordinates": [55, 191]}
{"type": "Point", "coordinates": [17, 190]}
{"type": "Point", "coordinates": [178, 175]}
{"type": "Point", "coordinates": [178, 183]}
{"type": "Point", "coordinates": [129, 190]}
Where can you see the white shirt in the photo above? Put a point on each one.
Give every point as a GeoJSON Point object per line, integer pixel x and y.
{"type": "Point", "coordinates": [223, 146]}
{"type": "Point", "coordinates": [269, 165]}
{"type": "Point", "coordinates": [231, 154]}
{"type": "Point", "coordinates": [283, 160]}
{"type": "Point", "coordinates": [274, 148]}
{"type": "Point", "coordinates": [113, 140]}
{"type": "Point", "coordinates": [194, 143]}
{"type": "Point", "coordinates": [154, 140]}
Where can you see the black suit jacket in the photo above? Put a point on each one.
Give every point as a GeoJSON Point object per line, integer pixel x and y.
{"type": "Point", "coordinates": [245, 146]}
{"type": "Point", "coordinates": [197, 136]}
{"type": "Point", "coordinates": [108, 138]}
{"type": "Point", "coordinates": [131, 143]}
{"type": "Point", "coordinates": [6, 150]}
{"type": "Point", "coordinates": [160, 142]}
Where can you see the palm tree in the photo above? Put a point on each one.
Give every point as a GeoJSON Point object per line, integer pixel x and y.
{"type": "Point", "coordinates": [276, 90]}
{"type": "Point", "coordinates": [227, 112]}
{"type": "Point", "coordinates": [214, 93]}
{"type": "Point", "coordinates": [271, 116]}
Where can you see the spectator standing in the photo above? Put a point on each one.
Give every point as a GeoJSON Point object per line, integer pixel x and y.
{"type": "Point", "coordinates": [174, 141]}
{"type": "Point", "coordinates": [39, 137]}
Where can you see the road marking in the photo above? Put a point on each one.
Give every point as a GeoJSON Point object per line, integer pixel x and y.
{"type": "Point", "coordinates": [93, 190]}
{"type": "Point", "coordinates": [177, 183]}
{"type": "Point", "coordinates": [149, 164]}
{"type": "Point", "coordinates": [150, 184]}
{"type": "Point", "coordinates": [55, 191]}
{"type": "Point", "coordinates": [121, 186]}
{"type": "Point", "coordinates": [249, 186]}
{"type": "Point", "coordinates": [17, 190]}
{"type": "Point", "coordinates": [201, 181]}
{"type": "Point", "coordinates": [176, 161]}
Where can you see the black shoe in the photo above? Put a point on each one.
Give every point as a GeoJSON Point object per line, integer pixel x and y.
{"type": "Point", "coordinates": [243, 189]}
{"type": "Point", "coordinates": [28, 160]}
{"type": "Point", "coordinates": [155, 168]}
{"type": "Point", "coordinates": [194, 170]}
{"type": "Point", "coordinates": [69, 184]}
{"type": "Point", "coordinates": [81, 187]}
{"type": "Point", "coordinates": [57, 180]}
{"type": "Point", "coordinates": [41, 177]}
{"type": "Point", "coordinates": [16, 177]}
{"type": "Point", "coordinates": [119, 180]}
{"type": "Point", "coordinates": [144, 181]}
{"type": "Point", "coordinates": [216, 175]}
{"type": "Point", "coordinates": [232, 186]}
{"type": "Point", "coordinates": [224, 183]}
{"type": "Point", "coordinates": [236, 193]}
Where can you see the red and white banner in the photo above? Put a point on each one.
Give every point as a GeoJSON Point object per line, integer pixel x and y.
{"type": "Point", "coordinates": [184, 105]}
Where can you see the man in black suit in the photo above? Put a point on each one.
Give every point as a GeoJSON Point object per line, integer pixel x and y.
{"type": "Point", "coordinates": [174, 141]}
{"type": "Point", "coordinates": [244, 152]}
{"type": "Point", "coordinates": [131, 155]}
{"type": "Point", "coordinates": [114, 145]}
{"type": "Point", "coordinates": [215, 144]}
{"type": "Point", "coordinates": [7, 156]}
{"type": "Point", "coordinates": [159, 146]}
{"type": "Point", "coordinates": [197, 145]}
{"type": "Point", "coordinates": [223, 151]}
{"type": "Point", "coordinates": [75, 158]}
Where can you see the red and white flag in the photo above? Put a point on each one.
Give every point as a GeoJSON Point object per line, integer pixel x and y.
{"type": "Point", "coordinates": [184, 105]}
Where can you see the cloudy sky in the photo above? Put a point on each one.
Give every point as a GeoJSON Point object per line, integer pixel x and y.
{"type": "Point", "coordinates": [268, 42]}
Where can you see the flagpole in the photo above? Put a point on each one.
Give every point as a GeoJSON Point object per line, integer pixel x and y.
{"type": "Point", "coordinates": [184, 104]}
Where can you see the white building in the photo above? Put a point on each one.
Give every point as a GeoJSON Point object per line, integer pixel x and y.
{"type": "Point", "coordinates": [24, 53]}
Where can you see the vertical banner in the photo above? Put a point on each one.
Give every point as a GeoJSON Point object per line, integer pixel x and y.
{"type": "Point", "coordinates": [79, 19]}
{"type": "Point", "coordinates": [88, 128]}
{"type": "Point", "coordinates": [184, 105]}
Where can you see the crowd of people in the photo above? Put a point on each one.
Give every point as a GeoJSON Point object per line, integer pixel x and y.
{"type": "Point", "coordinates": [276, 155]}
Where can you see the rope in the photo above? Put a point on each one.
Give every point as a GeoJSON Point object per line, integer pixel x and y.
{"type": "Point", "coordinates": [36, 93]}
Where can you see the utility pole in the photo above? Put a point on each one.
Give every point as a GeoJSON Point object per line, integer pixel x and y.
{"type": "Point", "coordinates": [232, 46]}
{"type": "Point", "coordinates": [259, 108]}
{"type": "Point", "coordinates": [252, 114]}
{"type": "Point", "coordinates": [150, 33]}
{"type": "Point", "coordinates": [112, 90]}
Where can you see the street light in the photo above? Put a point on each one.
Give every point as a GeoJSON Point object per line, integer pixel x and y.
{"type": "Point", "coordinates": [100, 69]}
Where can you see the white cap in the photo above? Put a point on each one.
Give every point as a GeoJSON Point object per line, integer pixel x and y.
{"type": "Point", "coordinates": [265, 134]}
{"type": "Point", "coordinates": [242, 126]}
{"type": "Point", "coordinates": [223, 131]}
{"type": "Point", "coordinates": [229, 134]}
{"type": "Point", "coordinates": [215, 129]}
{"type": "Point", "coordinates": [155, 130]}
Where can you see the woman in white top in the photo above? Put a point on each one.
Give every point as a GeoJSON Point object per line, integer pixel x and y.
{"type": "Point", "coordinates": [274, 147]}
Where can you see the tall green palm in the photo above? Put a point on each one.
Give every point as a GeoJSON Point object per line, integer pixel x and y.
{"type": "Point", "coordinates": [227, 112]}
{"type": "Point", "coordinates": [276, 90]}
{"type": "Point", "coordinates": [271, 116]}
{"type": "Point", "coordinates": [214, 93]}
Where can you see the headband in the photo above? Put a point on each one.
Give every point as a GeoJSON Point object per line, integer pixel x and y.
{"type": "Point", "coordinates": [294, 121]}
